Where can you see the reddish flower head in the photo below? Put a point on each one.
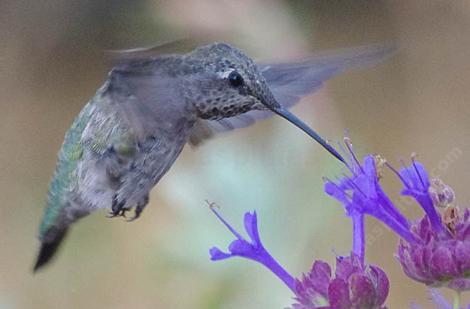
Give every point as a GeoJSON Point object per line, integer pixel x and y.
{"type": "Point", "coordinates": [354, 286]}
{"type": "Point", "coordinates": [440, 258]}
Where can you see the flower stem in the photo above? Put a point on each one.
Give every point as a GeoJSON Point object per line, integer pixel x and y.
{"type": "Point", "coordinates": [456, 304]}
{"type": "Point", "coordinates": [359, 236]}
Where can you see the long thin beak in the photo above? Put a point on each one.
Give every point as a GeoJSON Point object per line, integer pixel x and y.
{"type": "Point", "coordinates": [284, 113]}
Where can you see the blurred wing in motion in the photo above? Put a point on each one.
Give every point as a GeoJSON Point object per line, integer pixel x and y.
{"type": "Point", "coordinates": [142, 96]}
{"type": "Point", "coordinates": [178, 46]}
{"type": "Point", "coordinates": [289, 82]}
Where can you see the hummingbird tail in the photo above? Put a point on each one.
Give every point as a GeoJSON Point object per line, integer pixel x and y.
{"type": "Point", "coordinates": [49, 248]}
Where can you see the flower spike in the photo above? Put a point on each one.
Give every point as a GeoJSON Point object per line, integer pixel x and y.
{"type": "Point", "coordinates": [251, 249]}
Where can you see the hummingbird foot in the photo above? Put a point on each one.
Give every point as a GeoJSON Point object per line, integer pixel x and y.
{"type": "Point", "coordinates": [117, 208]}
{"type": "Point", "coordinates": [121, 213]}
{"type": "Point", "coordinates": [139, 208]}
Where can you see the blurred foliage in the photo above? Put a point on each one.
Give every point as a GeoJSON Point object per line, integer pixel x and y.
{"type": "Point", "coordinates": [52, 60]}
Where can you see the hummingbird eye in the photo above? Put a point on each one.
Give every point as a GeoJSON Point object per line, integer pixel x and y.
{"type": "Point", "coordinates": [235, 79]}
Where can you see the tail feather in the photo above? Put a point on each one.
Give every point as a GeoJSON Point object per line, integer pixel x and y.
{"type": "Point", "coordinates": [49, 247]}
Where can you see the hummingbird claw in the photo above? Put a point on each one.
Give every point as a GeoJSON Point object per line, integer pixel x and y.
{"type": "Point", "coordinates": [117, 208]}
{"type": "Point", "coordinates": [120, 213]}
{"type": "Point", "coordinates": [138, 210]}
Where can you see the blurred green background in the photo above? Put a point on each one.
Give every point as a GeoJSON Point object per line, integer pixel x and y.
{"type": "Point", "coordinates": [52, 62]}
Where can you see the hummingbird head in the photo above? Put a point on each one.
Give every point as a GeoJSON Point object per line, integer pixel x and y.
{"type": "Point", "coordinates": [225, 82]}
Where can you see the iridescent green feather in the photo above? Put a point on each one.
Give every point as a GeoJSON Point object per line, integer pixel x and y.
{"type": "Point", "coordinates": [64, 175]}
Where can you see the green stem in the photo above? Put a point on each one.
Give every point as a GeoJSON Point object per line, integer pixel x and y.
{"type": "Point", "coordinates": [456, 300]}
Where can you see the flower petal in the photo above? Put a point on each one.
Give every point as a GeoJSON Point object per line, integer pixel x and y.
{"type": "Point", "coordinates": [381, 283]}
{"type": "Point", "coordinates": [416, 177]}
{"type": "Point", "coordinates": [462, 256]}
{"type": "Point", "coordinates": [338, 294]}
{"type": "Point", "coordinates": [335, 191]}
{"type": "Point", "coordinates": [345, 266]}
{"type": "Point", "coordinates": [320, 276]}
{"type": "Point", "coordinates": [251, 227]}
{"type": "Point", "coordinates": [416, 181]}
{"type": "Point", "coordinates": [217, 255]}
{"type": "Point", "coordinates": [442, 264]}
{"type": "Point", "coordinates": [241, 248]}
{"type": "Point", "coordinates": [362, 291]}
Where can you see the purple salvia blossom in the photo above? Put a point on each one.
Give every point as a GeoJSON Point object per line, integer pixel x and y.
{"type": "Point", "coordinates": [416, 184]}
{"type": "Point", "coordinates": [354, 286]}
{"type": "Point", "coordinates": [439, 259]}
{"type": "Point", "coordinates": [432, 251]}
{"type": "Point", "coordinates": [441, 256]}
{"type": "Point", "coordinates": [251, 249]}
{"type": "Point", "coordinates": [361, 194]}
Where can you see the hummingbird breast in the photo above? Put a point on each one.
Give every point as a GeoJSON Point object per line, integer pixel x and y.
{"type": "Point", "coordinates": [105, 160]}
{"type": "Point", "coordinates": [120, 165]}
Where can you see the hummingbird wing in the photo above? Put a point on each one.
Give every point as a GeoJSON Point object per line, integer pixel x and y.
{"type": "Point", "coordinates": [145, 96]}
{"type": "Point", "coordinates": [178, 46]}
{"type": "Point", "coordinates": [289, 82]}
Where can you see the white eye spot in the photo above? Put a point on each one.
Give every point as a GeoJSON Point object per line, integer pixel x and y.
{"type": "Point", "coordinates": [225, 74]}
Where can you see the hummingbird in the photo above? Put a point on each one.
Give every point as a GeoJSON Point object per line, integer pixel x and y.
{"type": "Point", "coordinates": [131, 132]}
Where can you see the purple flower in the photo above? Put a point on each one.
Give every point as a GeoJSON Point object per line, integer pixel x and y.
{"type": "Point", "coordinates": [441, 255]}
{"type": "Point", "coordinates": [361, 194]}
{"type": "Point", "coordinates": [353, 286]}
{"type": "Point", "coordinates": [433, 250]}
{"type": "Point", "coordinates": [439, 259]}
{"type": "Point", "coordinates": [251, 249]}
{"type": "Point", "coordinates": [416, 184]}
